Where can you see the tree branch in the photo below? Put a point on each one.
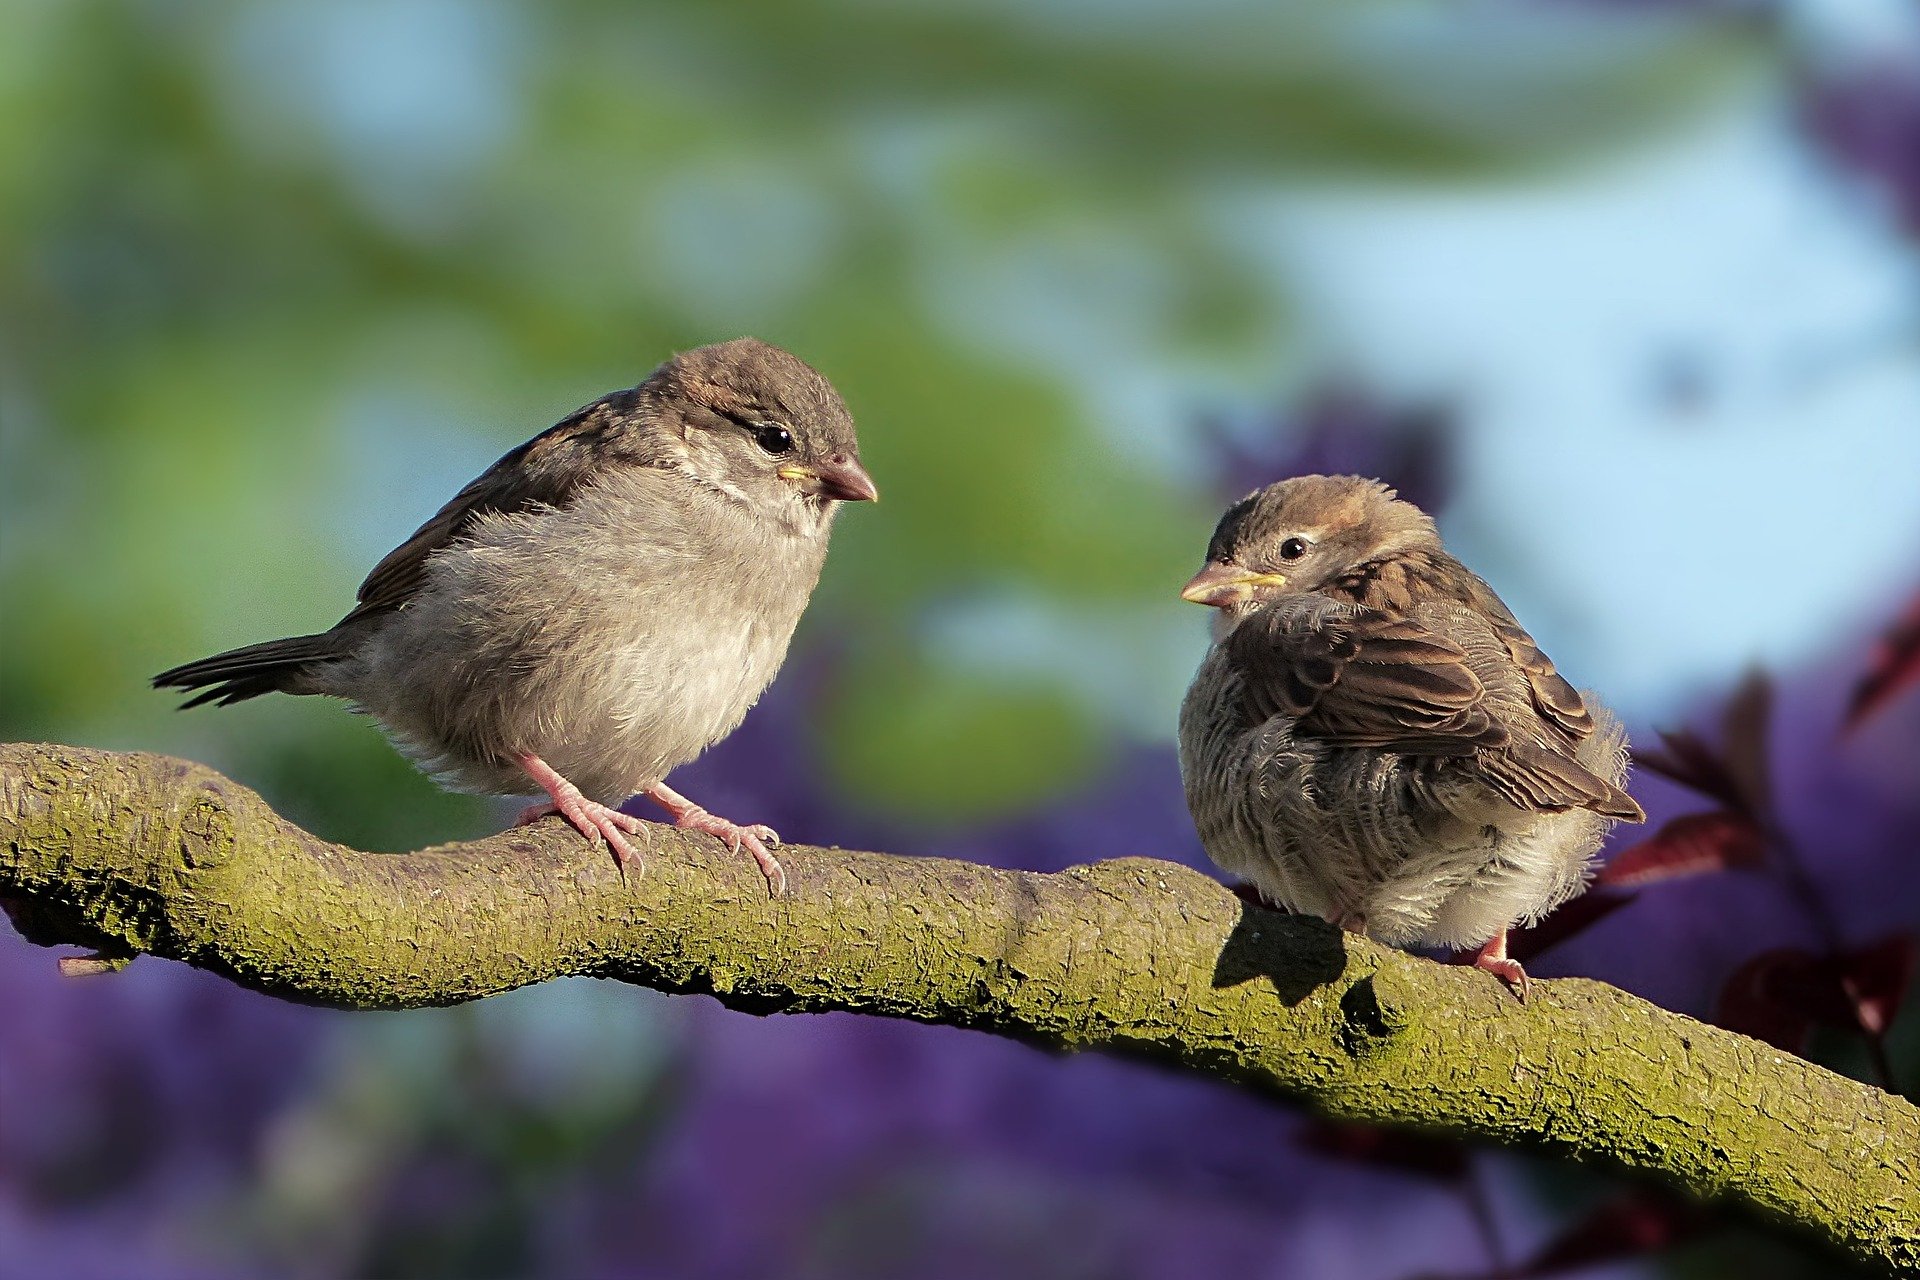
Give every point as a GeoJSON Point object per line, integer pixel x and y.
{"type": "Point", "coordinates": [133, 854]}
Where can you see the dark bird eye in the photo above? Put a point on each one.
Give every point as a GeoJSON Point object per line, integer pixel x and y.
{"type": "Point", "coordinates": [772, 437]}
{"type": "Point", "coordinates": [1293, 548]}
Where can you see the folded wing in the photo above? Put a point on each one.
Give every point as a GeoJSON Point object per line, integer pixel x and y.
{"type": "Point", "coordinates": [1359, 677]}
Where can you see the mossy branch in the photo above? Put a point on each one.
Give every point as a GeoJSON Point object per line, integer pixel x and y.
{"type": "Point", "coordinates": [129, 854]}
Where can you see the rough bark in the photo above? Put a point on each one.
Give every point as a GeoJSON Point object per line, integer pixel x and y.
{"type": "Point", "coordinates": [132, 854]}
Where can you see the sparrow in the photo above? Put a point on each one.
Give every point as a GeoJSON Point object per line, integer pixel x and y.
{"type": "Point", "coordinates": [1374, 739]}
{"type": "Point", "coordinates": [602, 604]}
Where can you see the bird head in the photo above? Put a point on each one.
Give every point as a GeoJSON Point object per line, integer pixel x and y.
{"type": "Point", "coordinates": [762, 426]}
{"type": "Point", "coordinates": [1300, 535]}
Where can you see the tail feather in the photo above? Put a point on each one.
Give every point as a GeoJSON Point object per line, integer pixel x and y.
{"type": "Point", "coordinates": [275, 666]}
{"type": "Point", "coordinates": [1535, 777]}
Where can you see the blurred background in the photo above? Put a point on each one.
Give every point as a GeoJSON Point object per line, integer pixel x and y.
{"type": "Point", "coordinates": [1628, 293]}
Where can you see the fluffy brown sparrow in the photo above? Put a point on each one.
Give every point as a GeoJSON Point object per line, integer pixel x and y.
{"type": "Point", "coordinates": [600, 606]}
{"type": "Point", "coordinates": [1374, 739]}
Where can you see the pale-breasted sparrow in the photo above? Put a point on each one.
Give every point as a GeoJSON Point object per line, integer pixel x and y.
{"type": "Point", "coordinates": [601, 605]}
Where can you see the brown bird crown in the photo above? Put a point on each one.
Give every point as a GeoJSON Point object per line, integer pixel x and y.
{"type": "Point", "coordinates": [1306, 534]}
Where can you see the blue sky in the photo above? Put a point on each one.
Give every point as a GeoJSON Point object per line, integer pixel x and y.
{"type": "Point", "coordinates": [1690, 389]}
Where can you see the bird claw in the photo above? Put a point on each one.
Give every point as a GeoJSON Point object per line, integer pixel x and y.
{"type": "Point", "coordinates": [753, 837]}
{"type": "Point", "coordinates": [1493, 958]}
{"type": "Point", "coordinates": [1509, 972]}
{"type": "Point", "coordinates": [593, 820]}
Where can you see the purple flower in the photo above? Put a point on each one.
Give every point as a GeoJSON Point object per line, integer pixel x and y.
{"type": "Point", "coordinates": [1869, 119]}
{"type": "Point", "coordinates": [1340, 428]}
{"type": "Point", "coordinates": [131, 1104]}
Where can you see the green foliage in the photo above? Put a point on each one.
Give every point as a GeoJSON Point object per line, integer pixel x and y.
{"type": "Point", "coordinates": [913, 742]}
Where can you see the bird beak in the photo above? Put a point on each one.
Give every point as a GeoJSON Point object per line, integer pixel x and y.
{"type": "Point", "coordinates": [1220, 585]}
{"type": "Point", "coordinates": [840, 477]}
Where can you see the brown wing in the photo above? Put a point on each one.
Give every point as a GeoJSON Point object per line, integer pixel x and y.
{"type": "Point", "coordinates": [1361, 677]}
{"type": "Point", "coordinates": [546, 470]}
{"type": "Point", "coordinates": [1364, 678]}
{"type": "Point", "coordinates": [1559, 702]}
{"type": "Point", "coordinates": [1547, 721]}
{"type": "Point", "coordinates": [1534, 775]}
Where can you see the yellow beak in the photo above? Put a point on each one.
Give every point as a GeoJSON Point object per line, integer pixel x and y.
{"type": "Point", "coordinates": [1219, 585]}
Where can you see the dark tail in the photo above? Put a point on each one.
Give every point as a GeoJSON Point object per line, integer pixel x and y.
{"type": "Point", "coordinates": [276, 666]}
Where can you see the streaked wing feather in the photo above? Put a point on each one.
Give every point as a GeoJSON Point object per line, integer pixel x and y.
{"type": "Point", "coordinates": [1535, 777]}
{"type": "Point", "coordinates": [1360, 677]}
{"type": "Point", "coordinates": [546, 470]}
{"type": "Point", "coordinates": [1363, 677]}
{"type": "Point", "coordinates": [1555, 699]}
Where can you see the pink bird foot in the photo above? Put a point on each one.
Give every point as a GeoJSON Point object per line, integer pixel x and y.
{"type": "Point", "coordinates": [1492, 956]}
{"type": "Point", "coordinates": [753, 837]}
{"type": "Point", "coordinates": [591, 818]}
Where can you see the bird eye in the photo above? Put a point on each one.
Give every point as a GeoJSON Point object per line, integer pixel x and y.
{"type": "Point", "coordinates": [772, 437]}
{"type": "Point", "coordinates": [1293, 548]}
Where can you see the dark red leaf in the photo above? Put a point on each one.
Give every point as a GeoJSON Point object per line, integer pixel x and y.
{"type": "Point", "coordinates": [1895, 665]}
{"type": "Point", "coordinates": [1778, 995]}
{"type": "Point", "coordinates": [1875, 979]}
{"type": "Point", "coordinates": [1437, 1158]}
{"type": "Point", "coordinates": [1690, 845]}
{"type": "Point", "coordinates": [1749, 1006]}
{"type": "Point", "coordinates": [1570, 918]}
{"type": "Point", "coordinates": [1686, 758]}
{"type": "Point", "coordinates": [1638, 1223]}
{"type": "Point", "coordinates": [1744, 740]}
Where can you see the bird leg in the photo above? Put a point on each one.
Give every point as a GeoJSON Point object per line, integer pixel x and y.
{"type": "Point", "coordinates": [1492, 956]}
{"type": "Point", "coordinates": [591, 818]}
{"type": "Point", "coordinates": [753, 837]}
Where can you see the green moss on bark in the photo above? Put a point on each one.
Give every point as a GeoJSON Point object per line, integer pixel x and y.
{"type": "Point", "coordinates": [140, 853]}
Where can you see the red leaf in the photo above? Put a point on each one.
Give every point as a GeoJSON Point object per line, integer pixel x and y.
{"type": "Point", "coordinates": [1744, 740]}
{"type": "Point", "coordinates": [1639, 1222]}
{"type": "Point", "coordinates": [1778, 995]}
{"type": "Point", "coordinates": [1895, 665]}
{"type": "Point", "coordinates": [1413, 1153]}
{"type": "Point", "coordinates": [1690, 845]}
{"type": "Point", "coordinates": [1750, 1004]}
{"type": "Point", "coordinates": [1570, 918]}
{"type": "Point", "coordinates": [1686, 758]}
{"type": "Point", "coordinates": [1875, 979]}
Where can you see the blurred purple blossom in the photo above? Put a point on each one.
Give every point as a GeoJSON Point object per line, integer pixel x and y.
{"type": "Point", "coordinates": [1868, 117]}
{"type": "Point", "coordinates": [1851, 808]}
{"type": "Point", "coordinates": [131, 1106]}
{"type": "Point", "coordinates": [1339, 428]}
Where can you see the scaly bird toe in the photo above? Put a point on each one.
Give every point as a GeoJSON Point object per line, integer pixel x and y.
{"type": "Point", "coordinates": [1493, 957]}
{"type": "Point", "coordinates": [589, 817]}
{"type": "Point", "coordinates": [753, 837]}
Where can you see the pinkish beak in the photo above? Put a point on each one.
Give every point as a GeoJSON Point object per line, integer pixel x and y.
{"type": "Point", "coordinates": [840, 477]}
{"type": "Point", "coordinates": [1220, 585]}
